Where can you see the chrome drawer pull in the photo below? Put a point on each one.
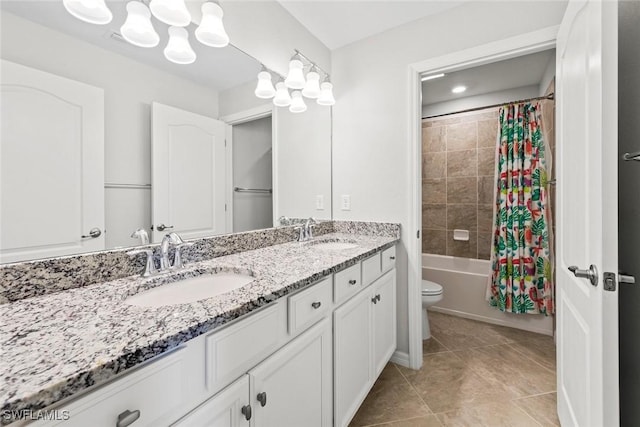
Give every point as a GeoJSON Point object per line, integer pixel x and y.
{"type": "Point", "coordinates": [127, 418]}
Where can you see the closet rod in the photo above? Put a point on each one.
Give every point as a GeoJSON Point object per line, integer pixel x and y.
{"type": "Point", "coordinates": [549, 97]}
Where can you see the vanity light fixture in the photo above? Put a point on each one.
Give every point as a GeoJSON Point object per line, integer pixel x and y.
{"type": "Point", "coordinates": [312, 86]}
{"type": "Point", "coordinates": [137, 29]}
{"type": "Point", "coordinates": [282, 98]}
{"type": "Point", "coordinates": [431, 77]}
{"type": "Point", "coordinates": [297, 103]}
{"type": "Point", "coordinates": [295, 78]}
{"type": "Point", "coordinates": [459, 89]}
{"type": "Point", "coordinates": [171, 12]}
{"type": "Point", "coordinates": [326, 93]}
{"type": "Point", "coordinates": [178, 49]}
{"type": "Point", "coordinates": [211, 30]}
{"type": "Point", "coordinates": [265, 89]}
{"type": "Point", "coordinates": [91, 11]}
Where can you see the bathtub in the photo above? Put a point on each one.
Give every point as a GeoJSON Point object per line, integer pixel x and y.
{"type": "Point", "coordinates": [464, 283]}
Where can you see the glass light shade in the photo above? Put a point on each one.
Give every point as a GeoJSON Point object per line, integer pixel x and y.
{"type": "Point", "coordinates": [211, 30]}
{"type": "Point", "coordinates": [137, 29]}
{"type": "Point", "coordinates": [91, 11]}
{"type": "Point", "coordinates": [312, 87]}
{"type": "Point", "coordinates": [265, 88]}
{"type": "Point", "coordinates": [171, 12]}
{"type": "Point", "coordinates": [297, 103]}
{"type": "Point", "coordinates": [178, 49]}
{"type": "Point", "coordinates": [282, 98]}
{"type": "Point", "coordinates": [326, 94]}
{"type": "Point", "coordinates": [295, 78]}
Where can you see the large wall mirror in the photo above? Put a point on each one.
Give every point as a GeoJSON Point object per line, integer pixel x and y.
{"type": "Point", "coordinates": [103, 142]}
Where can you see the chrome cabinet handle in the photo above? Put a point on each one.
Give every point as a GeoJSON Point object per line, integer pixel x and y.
{"type": "Point", "coordinates": [246, 411]}
{"type": "Point", "coordinates": [94, 233]}
{"type": "Point", "coordinates": [352, 281]}
{"type": "Point", "coordinates": [262, 398]}
{"type": "Point", "coordinates": [625, 278]}
{"type": "Point", "coordinates": [316, 305]}
{"type": "Point", "coordinates": [162, 227]}
{"type": "Point", "coordinates": [127, 418]}
{"type": "Point", "coordinates": [591, 273]}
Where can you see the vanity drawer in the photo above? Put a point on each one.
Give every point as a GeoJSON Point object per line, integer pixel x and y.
{"type": "Point", "coordinates": [309, 306]}
{"type": "Point", "coordinates": [371, 269]}
{"type": "Point", "coordinates": [153, 392]}
{"type": "Point", "coordinates": [388, 259]}
{"type": "Point", "coordinates": [346, 283]}
{"type": "Point", "coordinates": [234, 350]}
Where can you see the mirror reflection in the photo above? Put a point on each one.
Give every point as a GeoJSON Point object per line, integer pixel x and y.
{"type": "Point", "coordinates": [106, 144]}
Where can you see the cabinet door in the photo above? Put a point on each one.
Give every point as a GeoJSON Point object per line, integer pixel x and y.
{"type": "Point", "coordinates": [383, 320]}
{"type": "Point", "coordinates": [352, 356]}
{"type": "Point", "coordinates": [225, 409]}
{"type": "Point", "coordinates": [293, 387]}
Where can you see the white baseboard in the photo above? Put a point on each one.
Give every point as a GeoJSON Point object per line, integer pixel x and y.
{"type": "Point", "coordinates": [490, 320]}
{"type": "Point", "coordinates": [401, 358]}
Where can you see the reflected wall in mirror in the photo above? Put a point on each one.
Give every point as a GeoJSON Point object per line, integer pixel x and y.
{"type": "Point", "coordinates": [101, 138]}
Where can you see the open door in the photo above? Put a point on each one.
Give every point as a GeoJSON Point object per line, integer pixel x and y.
{"type": "Point", "coordinates": [587, 270]}
{"type": "Point", "coordinates": [188, 170]}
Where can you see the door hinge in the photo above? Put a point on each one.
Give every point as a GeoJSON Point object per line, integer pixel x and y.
{"type": "Point", "coordinates": [418, 234]}
{"type": "Point", "coordinates": [609, 280]}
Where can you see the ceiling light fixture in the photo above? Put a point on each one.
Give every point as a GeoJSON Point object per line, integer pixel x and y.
{"type": "Point", "coordinates": [137, 29]}
{"type": "Point", "coordinates": [178, 49]}
{"type": "Point", "coordinates": [171, 12]}
{"type": "Point", "coordinates": [282, 98]}
{"type": "Point", "coordinates": [459, 89]}
{"type": "Point", "coordinates": [295, 78]}
{"type": "Point", "coordinates": [211, 30]}
{"type": "Point", "coordinates": [434, 76]}
{"type": "Point", "coordinates": [326, 93]}
{"type": "Point", "coordinates": [312, 86]}
{"type": "Point", "coordinates": [91, 11]}
{"type": "Point", "coordinates": [265, 89]}
{"type": "Point", "coordinates": [297, 103]}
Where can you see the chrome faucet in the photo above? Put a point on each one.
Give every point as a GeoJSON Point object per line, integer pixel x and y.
{"type": "Point", "coordinates": [306, 231]}
{"type": "Point", "coordinates": [141, 234]}
{"type": "Point", "coordinates": [171, 239]}
{"type": "Point", "coordinates": [167, 241]}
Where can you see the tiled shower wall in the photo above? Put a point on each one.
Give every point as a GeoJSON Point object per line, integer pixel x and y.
{"type": "Point", "coordinates": [458, 157]}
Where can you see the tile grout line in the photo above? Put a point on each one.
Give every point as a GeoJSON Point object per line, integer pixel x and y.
{"type": "Point", "coordinates": [528, 415]}
{"type": "Point", "coordinates": [403, 419]}
{"type": "Point", "coordinates": [554, 371]}
{"type": "Point", "coordinates": [535, 395]}
{"type": "Point", "coordinates": [415, 390]}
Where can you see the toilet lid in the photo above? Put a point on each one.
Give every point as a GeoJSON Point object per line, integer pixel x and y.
{"type": "Point", "coordinates": [431, 288]}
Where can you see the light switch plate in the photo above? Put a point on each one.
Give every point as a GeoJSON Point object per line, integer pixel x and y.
{"type": "Point", "coordinates": [346, 202]}
{"type": "Point", "coordinates": [319, 202]}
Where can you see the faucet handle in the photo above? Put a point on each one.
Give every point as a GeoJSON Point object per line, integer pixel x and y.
{"type": "Point", "coordinates": [150, 266]}
{"type": "Point", "coordinates": [177, 258]}
{"type": "Point", "coordinates": [301, 233]}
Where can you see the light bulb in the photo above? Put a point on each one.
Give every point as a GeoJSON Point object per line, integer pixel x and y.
{"type": "Point", "coordinates": [282, 98]}
{"type": "Point", "coordinates": [297, 103]}
{"type": "Point", "coordinates": [312, 87]}
{"type": "Point", "coordinates": [326, 94]}
{"type": "Point", "coordinates": [178, 49]}
{"type": "Point", "coordinates": [91, 11]}
{"type": "Point", "coordinates": [265, 88]}
{"type": "Point", "coordinates": [137, 29]}
{"type": "Point", "coordinates": [171, 12]}
{"type": "Point", "coordinates": [211, 30]}
{"type": "Point", "coordinates": [295, 78]}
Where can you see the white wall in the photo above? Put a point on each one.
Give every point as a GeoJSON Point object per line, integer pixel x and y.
{"type": "Point", "coordinates": [252, 168]}
{"type": "Point", "coordinates": [240, 98]}
{"type": "Point", "coordinates": [129, 88]}
{"type": "Point", "coordinates": [371, 147]}
{"type": "Point", "coordinates": [492, 98]}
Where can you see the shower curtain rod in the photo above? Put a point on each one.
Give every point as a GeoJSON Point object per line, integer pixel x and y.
{"type": "Point", "coordinates": [549, 97]}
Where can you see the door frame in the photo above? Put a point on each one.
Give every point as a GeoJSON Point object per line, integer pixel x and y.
{"type": "Point", "coordinates": [500, 50]}
{"type": "Point", "coordinates": [259, 112]}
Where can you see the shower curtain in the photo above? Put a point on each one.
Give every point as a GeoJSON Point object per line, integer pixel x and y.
{"type": "Point", "coordinates": [521, 280]}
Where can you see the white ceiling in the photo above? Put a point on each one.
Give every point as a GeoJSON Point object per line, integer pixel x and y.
{"type": "Point", "coordinates": [217, 68]}
{"type": "Point", "coordinates": [509, 74]}
{"type": "Point", "coordinates": [339, 22]}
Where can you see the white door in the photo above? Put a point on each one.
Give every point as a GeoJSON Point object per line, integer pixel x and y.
{"type": "Point", "coordinates": [293, 387]}
{"type": "Point", "coordinates": [51, 165]}
{"type": "Point", "coordinates": [188, 170]}
{"type": "Point", "coordinates": [383, 321]}
{"type": "Point", "coordinates": [587, 314]}
{"type": "Point", "coordinates": [228, 408]}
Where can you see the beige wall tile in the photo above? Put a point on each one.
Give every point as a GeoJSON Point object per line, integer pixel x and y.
{"type": "Point", "coordinates": [485, 190]}
{"type": "Point", "coordinates": [434, 139]}
{"type": "Point", "coordinates": [462, 190]}
{"type": "Point", "coordinates": [434, 242]}
{"type": "Point", "coordinates": [434, 165]}
{"type": "Point", "coordinates": [462, 249]}
{"type": "Point", "coordinates": [434, 191]}
{"type": "Point", "coordinates": [463, 136]}
{"type": "Point", "coordinates": [485, 243]}
{"type": "Point", "coordinates": [434, 216]}
{"type": "Point", "coordinates": [461, 163]}
{"type": "Point", "coordinates": [486, 161]}
{"type": "Point", "coordinates": [487, 132]}
{"type": "Point", "coordinates": [464, 217]}
{"type": "Point", "coordinates": [485, 218]}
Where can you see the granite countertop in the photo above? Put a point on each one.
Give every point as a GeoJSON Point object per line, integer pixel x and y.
{"type": "Point", "coordinates": [56, 345]}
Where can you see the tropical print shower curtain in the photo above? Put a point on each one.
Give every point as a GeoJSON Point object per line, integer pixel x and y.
{"type": "Point", "coordinates": [521, 280]}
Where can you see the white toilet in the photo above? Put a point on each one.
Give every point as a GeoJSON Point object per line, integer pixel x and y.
{"type": "Point", "coordinates": [431, 294]}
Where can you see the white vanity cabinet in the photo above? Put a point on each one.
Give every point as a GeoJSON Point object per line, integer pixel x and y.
{"type": "Point", "coordinates": [364, 339]}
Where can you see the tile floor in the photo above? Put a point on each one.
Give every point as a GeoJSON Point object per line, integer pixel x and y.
{"type": "Point", "coordinates": [474, 374]}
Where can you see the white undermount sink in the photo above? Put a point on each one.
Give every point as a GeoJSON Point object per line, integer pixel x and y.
{"type": "Point", "coordinates": [190, 290]}
{"type": "Point", "coordinates": [333, 245]}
